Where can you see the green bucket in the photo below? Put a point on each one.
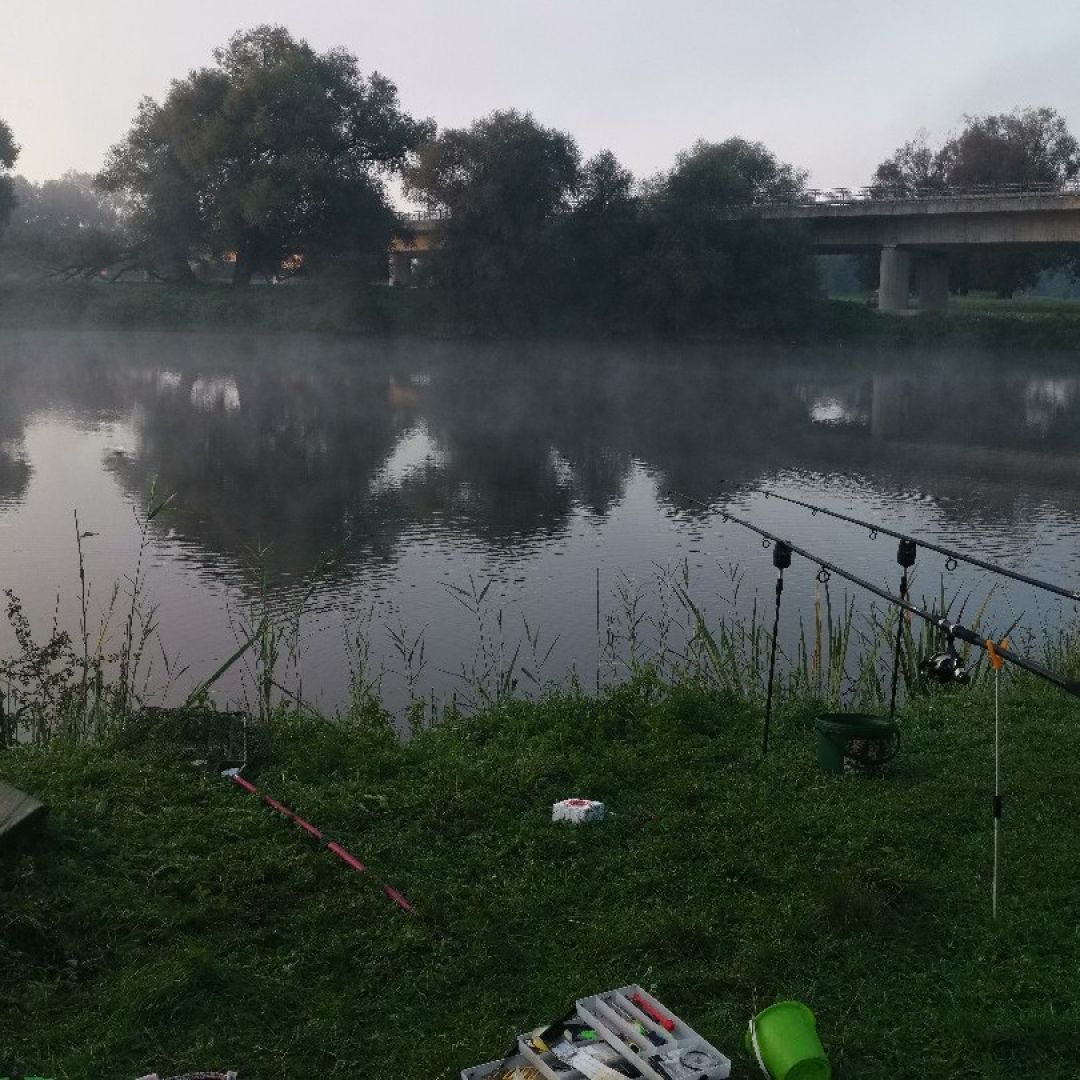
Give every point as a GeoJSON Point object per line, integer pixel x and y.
{"type": "Point", "coordinates": [785, 1042]}
{"type": "Point", "coordinates": [856, 742]}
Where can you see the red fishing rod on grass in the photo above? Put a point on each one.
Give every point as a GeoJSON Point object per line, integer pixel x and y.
{"type": "Point", "coordinates": [331, 845]}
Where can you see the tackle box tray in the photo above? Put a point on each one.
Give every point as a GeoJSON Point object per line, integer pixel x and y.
{"type": "Point", "coordinates": [660, 1054]}
{"type": "Point", "coordinates": [494, 1068]}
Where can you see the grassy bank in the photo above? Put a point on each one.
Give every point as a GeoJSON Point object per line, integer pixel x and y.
{"type": "Point", "coordinates": [166, 920]}
{"type": "Point", "coordinates": [328, 308]}
{"type": "Point", "coordinates": [974, 322]}
{"type": "Point", "coordinates": [970, 322]}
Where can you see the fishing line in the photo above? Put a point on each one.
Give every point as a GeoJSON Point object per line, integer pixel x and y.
{"type": "Point", "coordinates": [951, 557]}
{"type": "Point", "coordinates": [950, 630]}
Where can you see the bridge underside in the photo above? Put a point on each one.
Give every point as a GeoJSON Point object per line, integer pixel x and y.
{"type": "Point", "coordinates": [915, 248]}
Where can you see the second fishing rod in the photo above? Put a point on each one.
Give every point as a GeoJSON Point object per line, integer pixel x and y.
{"type": "Point", "coordinates": [952, 557]}
{"type": "Point", "coordinates": [951, 631]}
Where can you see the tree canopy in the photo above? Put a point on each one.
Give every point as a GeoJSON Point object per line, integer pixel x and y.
{"type": "Point", "coordinates": [1026, 146]}
{"type": "Point", "coordinates": [66, 227]}
{"type": "Point", "coordinates": [501, 181]}
{"type": "Point", "coordinates": [9, 152]}
{"type": "Point", "coordinates": [702, 268]}
{"type": "Point", "coordinates": [713, 176]}
{"type": "Point", "coordinates": [275, 150]}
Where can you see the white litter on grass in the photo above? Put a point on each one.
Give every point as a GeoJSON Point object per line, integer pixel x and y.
{"type": "Point", "coordinates": [578, 811]}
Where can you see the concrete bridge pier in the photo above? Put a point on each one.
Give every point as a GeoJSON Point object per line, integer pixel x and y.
{"type": "Point", "coordinates": [401, 267]}
{"type": "Point", "coordinates": [895, 279]}
{"type": "Point", "coordinates": [933, 278]}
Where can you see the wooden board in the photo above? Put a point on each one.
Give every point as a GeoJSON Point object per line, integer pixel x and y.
{"type": "Point", "coordinates": [17, 809]}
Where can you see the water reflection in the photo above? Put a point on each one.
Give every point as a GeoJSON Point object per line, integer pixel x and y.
{"type": "Point", "coordinates": [365, 450]}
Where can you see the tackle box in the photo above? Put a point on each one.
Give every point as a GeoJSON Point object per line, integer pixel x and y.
{"type": "Point", "coordinates": [659, 1054]}
{"type": "Point", "coordinates": [678, 1053]}
{"type": "Point", "coordinates": [494, 1068]}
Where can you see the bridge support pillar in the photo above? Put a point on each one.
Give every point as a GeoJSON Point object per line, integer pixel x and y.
{"type": "Point", "coordinates": [933, 275]}
{"type": "Point", "coordinates": [895, 279]}
{"type": "Point", "coordinates": [401, 267]}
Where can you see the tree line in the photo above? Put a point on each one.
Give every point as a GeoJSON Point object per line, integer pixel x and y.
{"type": "Point", "coordinates": [276, 159]}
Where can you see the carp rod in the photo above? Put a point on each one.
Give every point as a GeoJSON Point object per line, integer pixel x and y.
{"type": "Point", "coordinates": [951, 557]}
{"type": "Point", "coordinates": [951, 631]}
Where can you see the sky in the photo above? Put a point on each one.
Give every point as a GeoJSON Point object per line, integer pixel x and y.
{"type": "Point", "coordinates": [833, 86]}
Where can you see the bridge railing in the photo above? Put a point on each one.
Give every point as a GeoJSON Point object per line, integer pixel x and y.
{"type": "Point", "coordinates": [904, 193]}
{"type": "Point", "coordinates": [424, 215]}
{"type": "Point", "coordinates": [871, 193]}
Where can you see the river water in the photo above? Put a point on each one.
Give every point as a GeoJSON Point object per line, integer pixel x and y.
{"type": "Point", "coordinates": [409, 477]}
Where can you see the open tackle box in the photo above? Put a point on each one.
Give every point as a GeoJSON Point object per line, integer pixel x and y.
{"type": "Point", "coordinates": [631, 1035]}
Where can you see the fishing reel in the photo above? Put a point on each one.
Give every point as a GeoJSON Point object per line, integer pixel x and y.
{"type": "Point", "coordinates": [946, 668]}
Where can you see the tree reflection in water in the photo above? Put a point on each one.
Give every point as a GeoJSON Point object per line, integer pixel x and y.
{"type": "Point", "coordinates": [358, 448]}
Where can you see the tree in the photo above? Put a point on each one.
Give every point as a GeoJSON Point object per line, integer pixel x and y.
{"type": "Point", "coordinates": [596, 242]}
{"type": "Point", "coordinates": [501, 182]}
{"type": "Point", "coordinates": [9, 152]}
{"type": "Point", "coordinates": [913, 168]}
{"type": "Point", "coordinates": [66, 227]}
{"type": "Point", "coordinates": [274, 151]}
{"type": "Point", "coordinates": [704, 268]}
{"type": "Point", "coordinates": [1025, 146]}
{"type": "Point", "coordinates": [714, 176]}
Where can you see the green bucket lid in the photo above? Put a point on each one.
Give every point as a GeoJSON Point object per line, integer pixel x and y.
{"type": "Point", "coordinates": [855, 725]}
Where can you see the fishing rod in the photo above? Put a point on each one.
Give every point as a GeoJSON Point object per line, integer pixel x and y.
{"type": "Point", "coordinates": [952, 557]}
{"type": "Point", "coordinates": [332, 846]}
{"type": "Point", "coordinates": [951, 631]}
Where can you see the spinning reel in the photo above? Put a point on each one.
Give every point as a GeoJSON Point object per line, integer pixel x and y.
{"type": "Point", "coordinates": [946, 668]}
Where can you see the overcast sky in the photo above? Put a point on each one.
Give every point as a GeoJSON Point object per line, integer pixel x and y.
{"type": "Point", "coordinates": [832, 86]}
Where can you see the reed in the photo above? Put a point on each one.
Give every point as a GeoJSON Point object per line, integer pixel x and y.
{"type": "Point", "coordinates": [842, 655]}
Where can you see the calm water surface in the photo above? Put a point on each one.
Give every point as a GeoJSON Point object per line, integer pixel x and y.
{"type": "Point", "coordinates": [421, 469]}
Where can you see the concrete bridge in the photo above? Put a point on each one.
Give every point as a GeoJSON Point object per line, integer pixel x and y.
{"type": "Point", "coordinates": [419, 238]}
{"type": "Point", "coordinates": [915, 230]}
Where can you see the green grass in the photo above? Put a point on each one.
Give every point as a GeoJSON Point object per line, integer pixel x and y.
{"type": "Point", "coordinates": [316, 307]}
{"type": "Point", "coordinates": [166, 920]}
{"type": "Point", "coordinates": [971, 322]}
{"type": "Point", "coordinates": [975, 322]}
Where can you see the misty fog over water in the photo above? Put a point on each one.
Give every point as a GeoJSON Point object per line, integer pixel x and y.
{"type": "Point", "coordinates": [418, 468]}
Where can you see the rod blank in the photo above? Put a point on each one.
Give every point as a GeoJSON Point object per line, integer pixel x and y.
{"type": "Point", "coordinates": [949, 553]}
{"type": "Point", "coordinates": [949, 629]}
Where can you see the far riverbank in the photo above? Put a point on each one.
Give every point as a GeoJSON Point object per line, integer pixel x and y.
{"type": "Point", "coordinates": [978, 322]}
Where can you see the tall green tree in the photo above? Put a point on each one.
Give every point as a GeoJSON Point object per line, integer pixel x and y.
{"type": "Point", "coordinates": [705, 267]}
{"type": "Point", "coordinates": [1025, 146]}
{"type": "Point", "coordinates": [9, 152]}
{"type": "Point", "coordinates": [274, 150]}
{"type": "Point", "coordinates": [596, 242]}
{"type": "Point", "coordinates": [501, 182]}
{"type": "Point", "coordinates": [912, 168]}
{"type": "Point", "coordinates": [710, 177]}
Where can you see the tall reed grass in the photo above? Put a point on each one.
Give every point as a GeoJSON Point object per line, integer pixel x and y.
{"type": "Point", "coordinates": [842, 656]}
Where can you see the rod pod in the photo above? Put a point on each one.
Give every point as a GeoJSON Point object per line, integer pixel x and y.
{"type": "Point", "coordinates": [905, 556]}
{"type": "Point", "coordinates": [781, 559]}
